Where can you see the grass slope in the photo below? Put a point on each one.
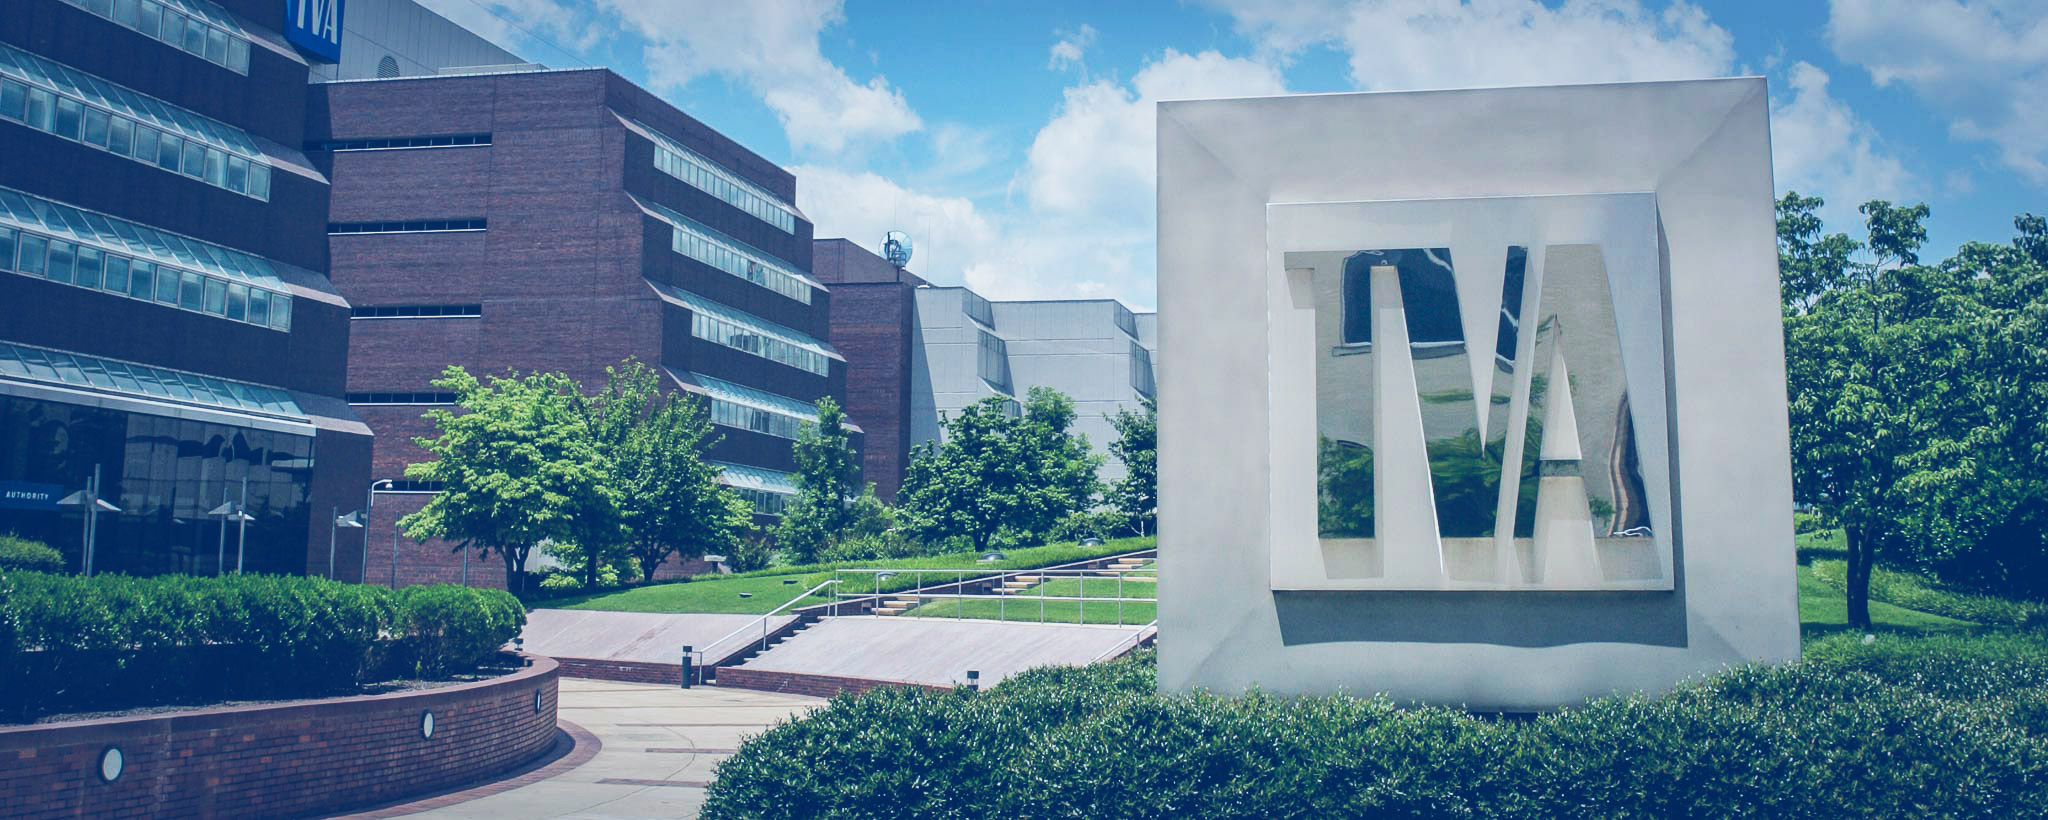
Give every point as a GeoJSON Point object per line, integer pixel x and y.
{"type": "Point", "coordinates": [1026, 606]}
{"type": "Point", "coordinates": [768, 589]}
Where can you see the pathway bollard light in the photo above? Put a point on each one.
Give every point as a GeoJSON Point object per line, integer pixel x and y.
{"type": "Point", "coordinates": [688, 667]}
{"type": "Point", "coordinates": [973, 680]}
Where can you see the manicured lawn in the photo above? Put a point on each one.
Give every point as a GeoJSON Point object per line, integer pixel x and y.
{"type": "Point", "coordinates": [1823, 610]}
{"type": "Point", "coordinates": [1026, 606]}
{"type": "Point", "coordinates": [769, 589]}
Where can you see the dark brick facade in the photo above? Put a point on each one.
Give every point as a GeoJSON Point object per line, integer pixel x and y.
{"type": "Point", "coordinates": [281, 760]}
{"type": "Point", "coordinates": [569, 269]}
{"type": "Point", "coordinates": [268, 103]}
{"type": "Point", "coordinates": [874, 325]}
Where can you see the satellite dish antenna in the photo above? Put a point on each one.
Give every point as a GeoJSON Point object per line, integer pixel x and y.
{"type": "Point", "coordinates": [896, 248]}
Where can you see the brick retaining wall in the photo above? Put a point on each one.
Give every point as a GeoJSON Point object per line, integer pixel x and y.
{"type": "Point", "coordinates": [798, 683]}
{"type": "Point", "coordinates": [630, 671]}
{"type": "Point", "coordinates": [280, 760]}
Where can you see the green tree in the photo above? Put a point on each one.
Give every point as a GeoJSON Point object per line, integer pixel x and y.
{"type": "Point", "coordinates": [1910, 388]}
{"type": "Point", "coordinates": [827, 479]}
{"type": "Point", "coordinates": [995, 473]}
{"type": "Point", "coordinates": [671, 497]}
{"type": "Point", "coordinates": [1136, 495]}
{"type": "Point", "coordinates": [517, 466]}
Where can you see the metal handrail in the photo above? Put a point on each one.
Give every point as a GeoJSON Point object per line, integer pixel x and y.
{"type": "Point", "coordinates": [1135, 637]}
{"type": "Point", "coordinates": [763, 620]}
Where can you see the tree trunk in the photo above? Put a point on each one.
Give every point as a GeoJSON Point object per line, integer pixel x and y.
{"type": "Point", "coordinates": [1862, 552]}
{"type": "Point", "coordinates": [515, 569]}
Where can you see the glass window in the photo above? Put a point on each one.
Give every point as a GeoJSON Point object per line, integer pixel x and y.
{"type": "Point", "coordinates": [281, 312]}
{"type": "Point", "coordinates": [216, 167]}
{"type": "Point", "coordinates": [216, 296]}
{"type": "Point", "coordinates": [191, 290]}
{"type": "Point", "coordinates": [216, 45]}
{"type": "Point", "coordinates": [13, 99]}
{"type": "Point", "coordinates": [6, 249]}
{"type": "Point", "coordinates": [238, 301]}
{"type": "Point", "coordinates": [96, 127]}
{"type": "Point", "coordinates": [145, 143]}
{"type": "Point", "coordinates": [195, 158]}
{"type": "Point", "coordinates": [259, 181]}
{"type": "Point", "coordinates": [151, 18]}
{"type": "Point", "coordinates": [32, 248]}
{"type": "Point", "coordinates": [195, 37]}
{"type": "Point", "coordinates": [61, 256]}
{"type": "Point", "coordinates": [141, 281]}
{"type": "Point", "coordinates": [99, 7]}
{"type": "Point", "coordinates": [39, 102]}
{"type": "Point", "coordinates": [171, 148]}
{"type": "Point", "coordinates": [68, 113]}
{"type": "Point", "coordinates": [238, 174]}
{"type": "Point", "coordinates": [120, 136]}
{"type": "Point", "coordinates": [88, 268]}
{"type": "Point", "coordinates": [259, 306]}
{"type": "Point", "coordinates": [117, 274]}
{"type": "Point", "coordinates": [127, 13]}
{"type": "Point", "coordinates": [167, 286]}
{"type": "Point", "coordinates": [238, 54]}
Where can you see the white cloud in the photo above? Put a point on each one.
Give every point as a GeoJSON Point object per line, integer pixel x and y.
{"type": "Point", "coordinates": [772, 47]}
{"type": "Point", "coordinates": [862, 206]}
{"type": "Point", "coordinates": [1414, 44]}
{"type": "Point", "coordinates": [1984, 63]}
{"type": "Point", "coordinates": [1820, 147]}
{"type": "Point", "coordinates": [516, 25]}
{"type": "Point", "coordinates": [1071, 48]}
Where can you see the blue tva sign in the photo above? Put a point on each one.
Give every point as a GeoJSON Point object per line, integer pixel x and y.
{"type": "Point", "coordinates": [314, 25]}
{"type": "Point", "coordinates": [27, 495]}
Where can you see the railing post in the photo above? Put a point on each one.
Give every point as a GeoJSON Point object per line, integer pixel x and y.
{"type": "Point", "coordinates": [1119, 598]}
{"type": "Point", "coordinates": [960, 596]}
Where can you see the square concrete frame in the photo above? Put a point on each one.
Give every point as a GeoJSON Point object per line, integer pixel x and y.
{"type": "Point", "coordinates": [1702, 148]}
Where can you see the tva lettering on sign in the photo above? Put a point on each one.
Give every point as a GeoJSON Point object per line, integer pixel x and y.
{"type": "Point", "coordinates": [27, 495]}
{"type": "Point", "coordinates": [314, 25]}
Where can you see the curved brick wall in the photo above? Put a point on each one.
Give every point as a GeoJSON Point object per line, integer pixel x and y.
{"type": "Point", "coordinates": [282, 760]}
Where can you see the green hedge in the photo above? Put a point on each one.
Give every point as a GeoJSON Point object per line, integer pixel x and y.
{"type": "Point", "coordinates": [1916, 592]}
{"type": "Point", "coordinates": [1855, 731]}
{"type": "Point", "coordinates": [110, 642]}
{"type": "Point", "coordinates": [18, 553]}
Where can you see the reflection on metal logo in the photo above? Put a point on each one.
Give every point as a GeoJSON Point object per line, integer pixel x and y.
{"type": "Point", "coordinates": [314, 25]}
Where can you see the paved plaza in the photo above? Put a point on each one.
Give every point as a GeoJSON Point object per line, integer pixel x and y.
{"type": "Point", "coordinates": [657, 746]}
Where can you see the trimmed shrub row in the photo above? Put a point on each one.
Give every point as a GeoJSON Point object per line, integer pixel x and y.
{"type": "Point", "coordinates": [1917, 592]}
{"type": "Point", "coordinates": [18, 553]}
{"type": "Point", "coordinates": [1902, 729]}
{"type": "Point", "coordinates": [113, 642]}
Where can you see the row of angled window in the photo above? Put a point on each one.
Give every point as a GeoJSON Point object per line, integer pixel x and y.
{"type": "Point", "coordinates": [1141, 369]}
{"type": "Point", "coordinates": [215, 44]}
{"type": "Point", "coordinates": [682, 163]}
{"type": "Point", "coordinates": [86, 267]}
{"type": "Point", "coordinates": [71, 119]}
{"type": "Point", "coordinates": [392, 143]}
{"type": "Point", "coordinates": [765, 502]}
{"type": "Point", "coordinates": [995, 360]}
{"type": "Point", "coordinates": [715, 249]}
{"type": "Point", "coordinates": [401, 398]}
{"type": "Point", "coordinates": [738, 337]}
{"type": "Point", "coordinates": [415, 226]}
{"type": "Point", "coordinates": [414, 311]}
{"type": "Point", "coordinates": [733, 414]}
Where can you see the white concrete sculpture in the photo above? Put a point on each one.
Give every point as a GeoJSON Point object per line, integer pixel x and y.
{"type": "Point", "coordinates": [1453, 345]}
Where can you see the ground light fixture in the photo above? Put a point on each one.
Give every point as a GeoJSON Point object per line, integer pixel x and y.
{"type": "Point", "coordinates": [112, 762]}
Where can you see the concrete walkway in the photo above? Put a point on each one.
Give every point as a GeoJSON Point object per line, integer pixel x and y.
{"type": "Point", "coordinates": [937, 651]}
{"type": "Point", "coordinates": [659, 745]}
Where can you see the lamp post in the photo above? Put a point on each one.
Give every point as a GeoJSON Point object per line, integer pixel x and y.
{"type": "Point", "coordinates": [89, 499]}
{"type": "Point", "coordinates": [369, 507]}
{"type": "Point", "coordinates": [353, 520]}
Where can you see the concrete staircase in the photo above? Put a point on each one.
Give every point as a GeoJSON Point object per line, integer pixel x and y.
{"type": "Point", "coordinates": [896, 606]}
{"type": "Point", "coordinates": [1015, 584]}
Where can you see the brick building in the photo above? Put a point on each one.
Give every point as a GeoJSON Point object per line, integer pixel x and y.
{"type": "Point", "coordinates": [168, 322]}
{"type": "Point", "coordinates": [564, 221]}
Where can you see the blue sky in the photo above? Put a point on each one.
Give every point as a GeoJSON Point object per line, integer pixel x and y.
{"type": "Point", "coordinates": [1013, 140]}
